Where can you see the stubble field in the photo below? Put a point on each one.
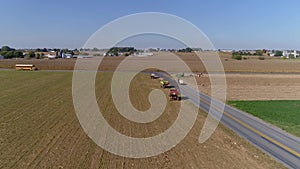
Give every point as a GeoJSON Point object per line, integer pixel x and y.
{"type": "Point", "coordinates": [39, 129]}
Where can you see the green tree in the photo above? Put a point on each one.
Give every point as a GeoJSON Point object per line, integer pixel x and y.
{"type": "Point", "coordinates": [6, 48]}
{"type": "Point", "coordinates": [3, 53]}
{"type": "Point", "coordinates": [259, 52]}
{"type": "Point", "coordinates": [38, 56]}
{"type": "Point", "coordinates": [278, 53]}
{"type": "Point", "coordinates": [18, 54]}
{"type": "Point", "coordinates": [30, 54]}
{"type": "Point", "coordinates": [9, 54]}
{"type": "Point", "coordinates": [237, 56]}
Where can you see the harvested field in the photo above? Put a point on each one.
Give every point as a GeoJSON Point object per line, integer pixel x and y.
{"type": "Point", "coordinates": [39, 129]}
{"type": "Point", "coordinates": [230, 65]}
{"type": "Point", "coordinates": [257, 86]}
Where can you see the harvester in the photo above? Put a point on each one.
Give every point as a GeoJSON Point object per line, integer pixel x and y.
{"type": "Point", "coordinates": [174, 94]}
{"type": "Point", "coordinates": [164, 84]}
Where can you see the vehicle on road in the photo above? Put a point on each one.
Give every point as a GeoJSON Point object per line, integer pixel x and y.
{"type": "Point", "coordinates": [164, 84]}
{"type": "Point", "coordinates": [154, 76]}
{"type": "Point", "coordinates": [174, 94]}
{"type": "Point", "coordinates": [180, 81]}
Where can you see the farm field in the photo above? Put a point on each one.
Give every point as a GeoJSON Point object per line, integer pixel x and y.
{"type": "Point", "coordinates": [258, 86]}
{"type": "Point", "coordinates": [230, 65]}
{"type": "Point", "coordinates": [283, 114]}
{"type": "Point", "coordinates": [39, 129]}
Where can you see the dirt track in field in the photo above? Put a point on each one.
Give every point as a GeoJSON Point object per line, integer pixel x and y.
{"type": "Point", "coordinates": [39, 129]}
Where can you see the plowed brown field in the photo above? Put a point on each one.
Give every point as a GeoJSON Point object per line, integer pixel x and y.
{"type": "Point", "coordinates": [39, 129]}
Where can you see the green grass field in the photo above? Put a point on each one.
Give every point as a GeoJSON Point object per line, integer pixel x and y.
{"type": "Point", "coordinates": [284, 114]}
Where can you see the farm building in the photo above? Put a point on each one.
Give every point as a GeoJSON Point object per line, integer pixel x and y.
{"type": "Point", "coordinates": [288, 54]}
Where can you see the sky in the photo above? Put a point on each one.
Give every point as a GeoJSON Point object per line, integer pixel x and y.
{"type": "Point", "coordinates": [229, 24]}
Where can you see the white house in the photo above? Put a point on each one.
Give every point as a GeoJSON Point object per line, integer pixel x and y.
{"type": "Point", "coordinates": [51, 56]}
{"type": "Point", "coordinates": [287, 54]}
{"type": "Point", "coordinates": [272, 54]}
{"type": "Point", "coordinates": [295, 54]}
{"type": "Point", "coordinates": [1, 57]}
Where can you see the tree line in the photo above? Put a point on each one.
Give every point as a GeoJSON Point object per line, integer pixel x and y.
{"type": "Point", "coordinates": [8, 52]}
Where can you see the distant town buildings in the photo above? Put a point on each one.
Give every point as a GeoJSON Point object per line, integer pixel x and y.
{"type": "Point", "coordinates": [284, 53]}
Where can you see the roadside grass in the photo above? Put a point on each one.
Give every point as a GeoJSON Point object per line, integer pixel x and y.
{"type": "Point", "coordinates": [284, 114]}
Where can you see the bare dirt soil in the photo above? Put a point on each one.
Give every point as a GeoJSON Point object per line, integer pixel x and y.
{"type": "Point", "coordinates": [39, 129]}
{"type": "Point", "coordinates": [256, 86]}
{"type": "Point", "coordinates": [252, 64]}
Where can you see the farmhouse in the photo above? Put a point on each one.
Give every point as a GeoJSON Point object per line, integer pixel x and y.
{"type": "Point", "coordinates": [1, 57]}
{"type": "Point", "coordinates": [287, 54]}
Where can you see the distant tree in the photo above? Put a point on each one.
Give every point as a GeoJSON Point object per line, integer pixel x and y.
{"type": "Point", "coordinates": [18, 54]}
{"type": "Point", "coordinates": [38, 56]}
{"type": "Point", "coordinates": [278, 53]}
{"type": "Point", "coordinates": [264, 51]}
{"type": "Point", "coordinates": [237, 56]}
{"type": "Point", "coordinates": [30, 54]}
{"type": "Point", "coordinates": [259, 52]}
{"type": "Point", "coordinates": [44, 50]}
{"type": "Point", "coordinates": [116, 50]}
{"type": "Point", "coordinates": [115, 53]}
{"type": "Point", "coordinates": [65, 50]}
{"type": "Point", "coordinates": [6, 48]}
{"type": "Point", "coordinates": [186, 50]}
{"type": "Point", "coordinates": [9, 54]}
{"type": "Point", "coordinates": [3, 53]}
{"type": "Point", "coordinates": [95, 49]}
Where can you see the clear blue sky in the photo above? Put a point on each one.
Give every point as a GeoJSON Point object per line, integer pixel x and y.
{"type": "Point", "coordinates": [233, 24]}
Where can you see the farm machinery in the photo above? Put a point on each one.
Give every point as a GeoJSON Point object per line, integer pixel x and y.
{"type": "Point", "coordinates": [154, 76]}
{"type": "Point", "coordinates": [174, 94]}
{"type": "Point", "coordinates": [164, 84]}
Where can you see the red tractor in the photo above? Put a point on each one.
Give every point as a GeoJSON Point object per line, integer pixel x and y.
{"type": "Point", "coordinates": [174, 94]}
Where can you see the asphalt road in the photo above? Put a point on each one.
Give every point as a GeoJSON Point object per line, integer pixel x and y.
{"type": "Point", "coordinates": [277, 143]}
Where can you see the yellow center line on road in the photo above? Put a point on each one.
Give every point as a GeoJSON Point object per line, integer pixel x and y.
{"type": "Point", "coordinates": [295, 153]}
